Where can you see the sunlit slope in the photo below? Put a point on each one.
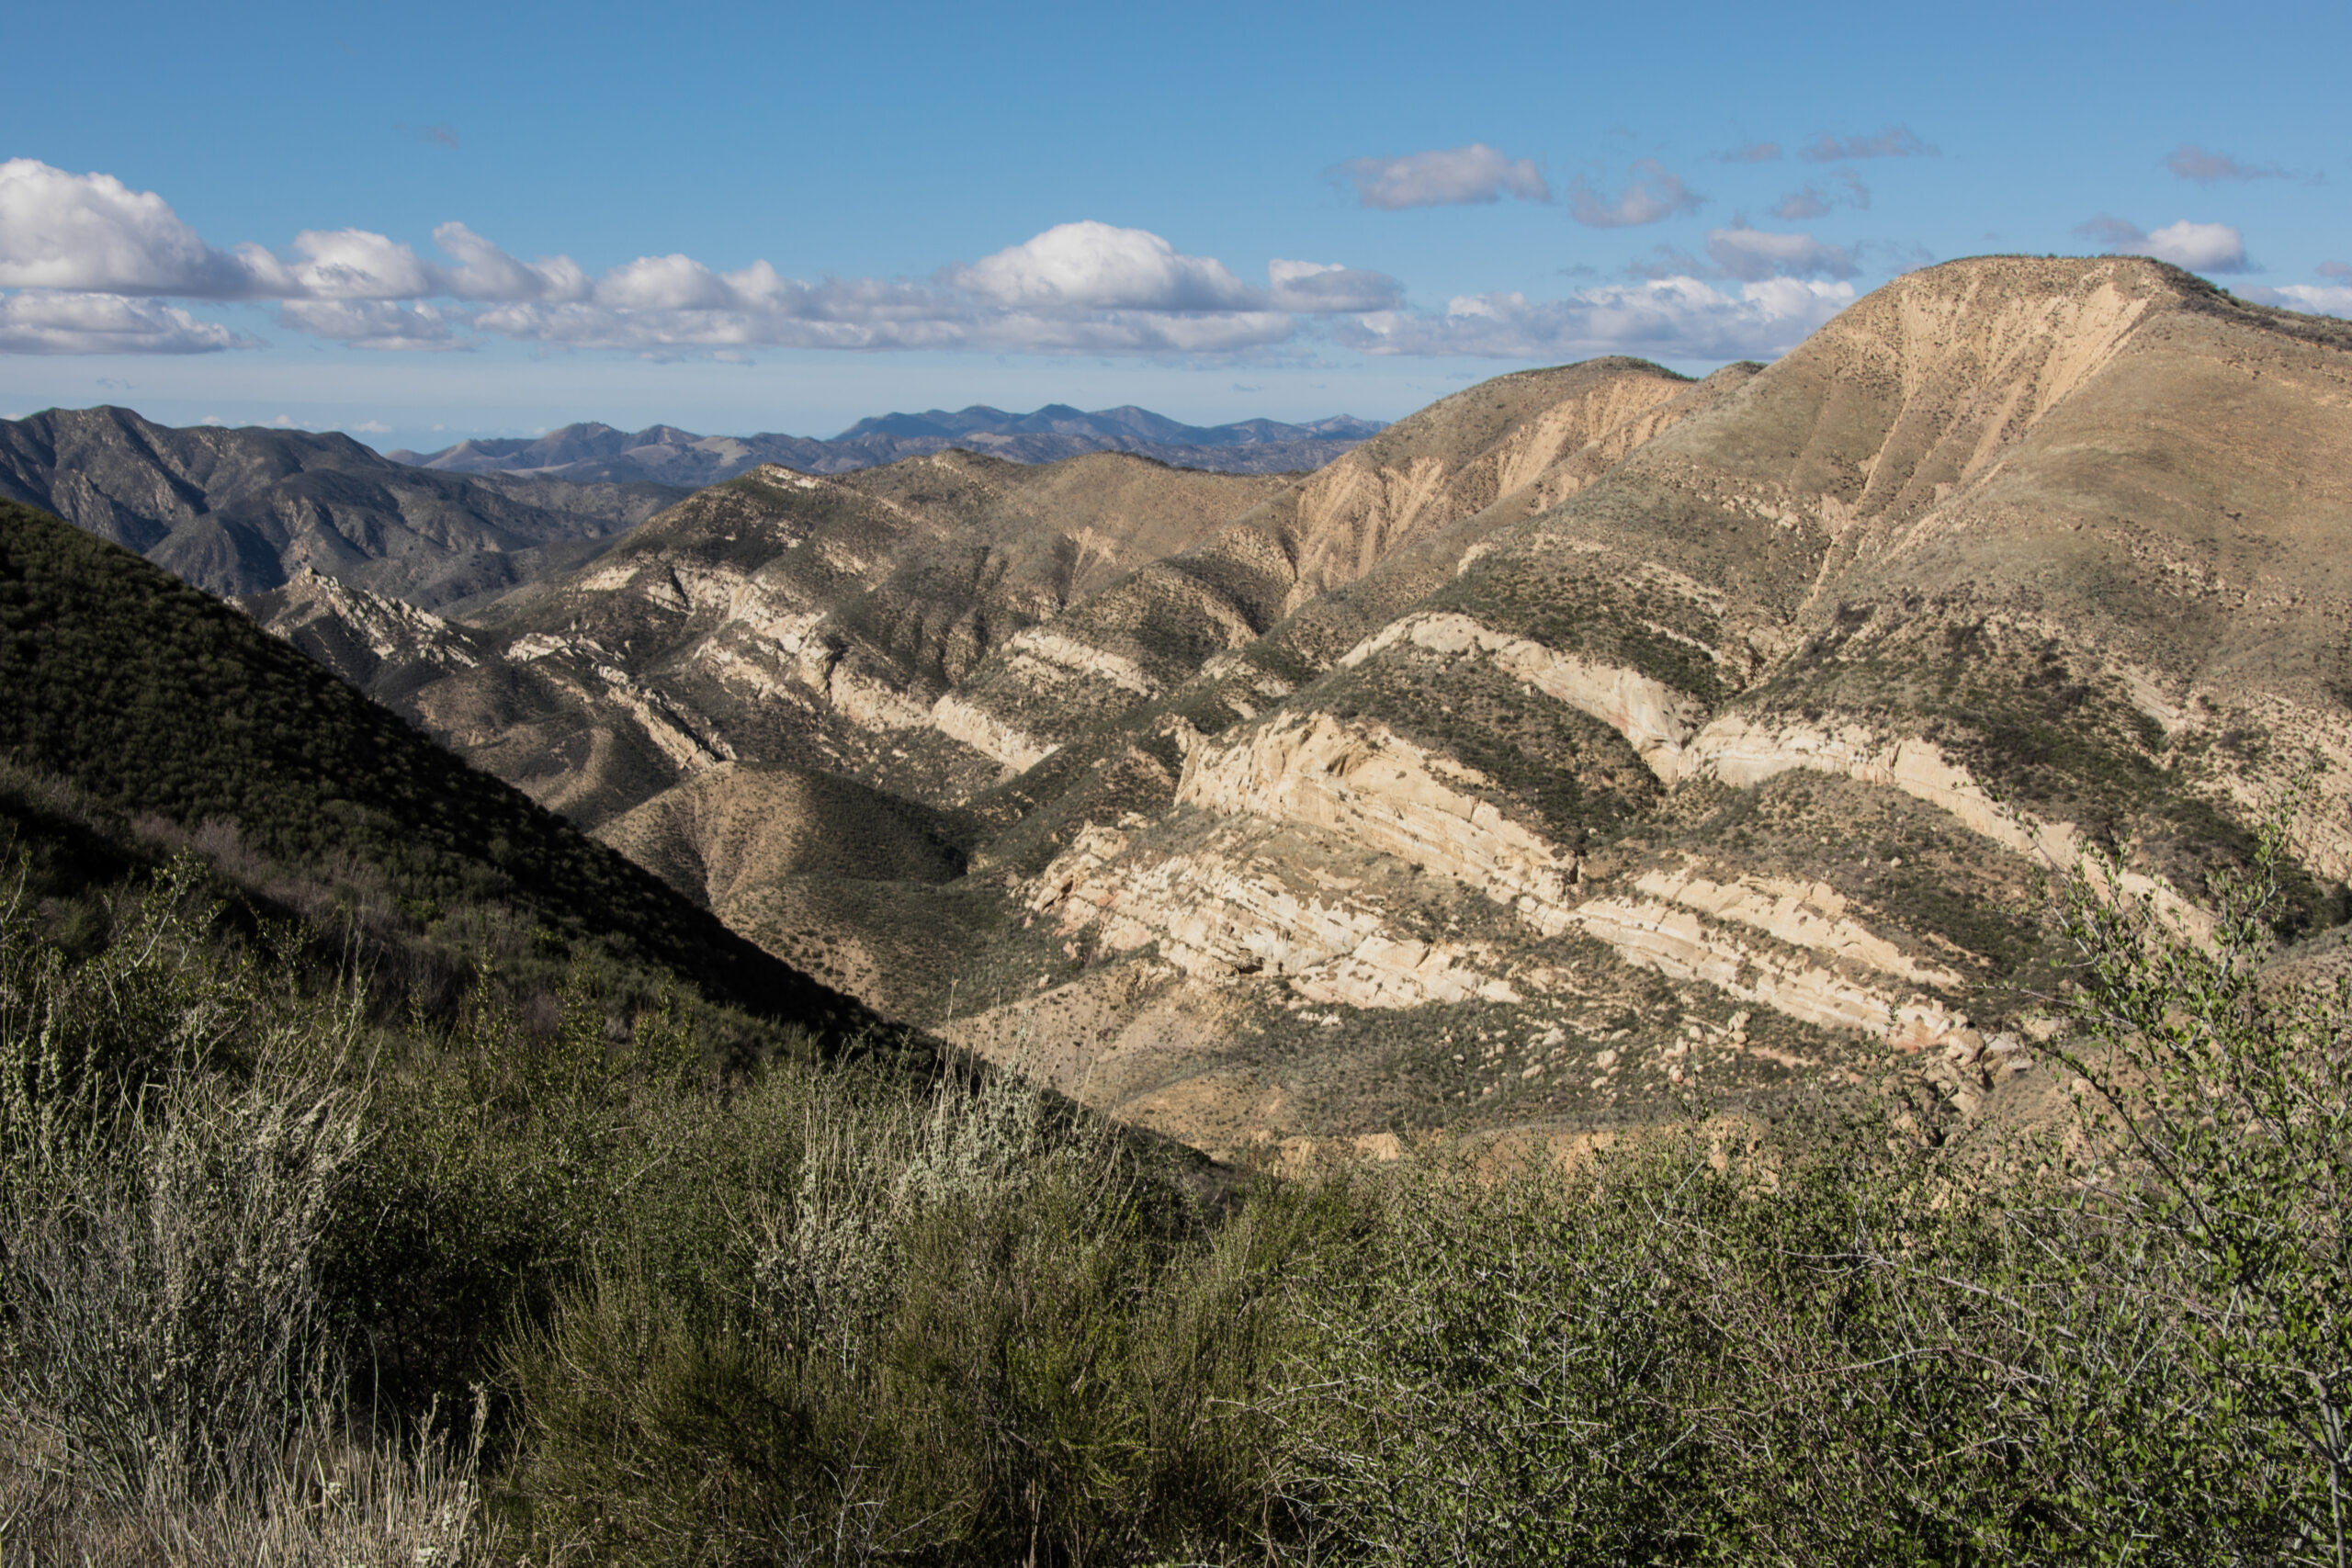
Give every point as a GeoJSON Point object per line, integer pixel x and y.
{"type": "Point", "coordinates": [1766, 732]}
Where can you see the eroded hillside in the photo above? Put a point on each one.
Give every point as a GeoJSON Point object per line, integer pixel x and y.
{"type": "Point", "coordinates": [1593, 739]}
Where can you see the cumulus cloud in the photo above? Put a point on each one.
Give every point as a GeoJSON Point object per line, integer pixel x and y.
{"type": "Point", "coordinates": [2332, 298]}
{"type": "Point", "coordinates": [1097, 267]}
{"type": "Point", "coordinates": [2198, 247]}
{"type": "Point", "coordinates": [1894, 141]}
{"type": "Point", "coordinates": [1077, 288]}
{"type": "Point", "coordinates": [1439, 178]}
{"type": "Point", "coordinates": [43, 321]}
{"type": "Point", "coordinates": [1651, 195]}
{"type": "Point", "coordinates": [2312, 299]}
{"type": "Point", "coordinates": [1319, 287]}
{"type": "Point", "coordinates": [90, 255]}
{"type": "Point", "coordinates": [369, 323]}
{"type": "Point", "coordinates": [2190, 162]}
{"type": "Point", "coordinates": [352, 263]}
{"type": "Point", "coordinates": [485, 272]}
{"type": "Point", "coordinates": [1753, 254]}
{"type": "Point", "coordinates": [1671, 317]}
{"type": "Point", "coordinates": [92, 233]}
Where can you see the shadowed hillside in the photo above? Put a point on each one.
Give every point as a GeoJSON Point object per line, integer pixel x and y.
{"type": "Point", "coordinates": [151, 699]}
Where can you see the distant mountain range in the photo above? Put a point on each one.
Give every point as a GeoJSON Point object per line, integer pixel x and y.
{"type": "Point", "coordinates": [665, 455]}
{"type": "Point", "coordinates": [241, 511]}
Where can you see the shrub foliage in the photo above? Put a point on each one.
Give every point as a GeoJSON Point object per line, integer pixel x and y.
{"type": "Point", "coordinates": [256, 1242]}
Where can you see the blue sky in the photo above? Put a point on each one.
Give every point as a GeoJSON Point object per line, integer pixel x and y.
{"type": "Point", "coordinates": [427, 222]}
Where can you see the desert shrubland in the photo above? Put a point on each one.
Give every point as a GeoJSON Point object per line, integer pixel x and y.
{"type": "Point", "coordinates": [289, 1276]}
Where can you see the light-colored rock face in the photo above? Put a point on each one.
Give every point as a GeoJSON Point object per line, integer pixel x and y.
{"type": "Point", "coordinates": [1740, 752]}
{"type": "Point", "coordinates": [1373, 788]}
{"type": "Point", "coordinates": [987, 734]}
{"type": "Point", "coordinates": [1675, 939]}
{"type": "Point", "coordinates": [391, 630]}
{"type": "Point", "coordinates": [1049, 653]}
{"type": "Point", "coordinates": [1982, 362]}
{"type": "Point", "coordinates": [1228, 910]}
{"type": "Point", "coordinates": [1234, 907]}
{"type": "Point", "coordinates": [1837, 976]}
{"type": "Point", "coordinates": [1808, 915]}
{"type": "Point", "coordinates": [1743, 752]}
{"type": "Point", "coordinates": [1654, 717]}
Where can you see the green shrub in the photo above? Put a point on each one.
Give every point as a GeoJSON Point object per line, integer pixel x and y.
{"type": "Point", "coordinates": [260, 1228]}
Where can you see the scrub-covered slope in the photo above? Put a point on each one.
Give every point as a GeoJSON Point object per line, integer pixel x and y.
{"type": "Point", "coordinates": [152, 699]}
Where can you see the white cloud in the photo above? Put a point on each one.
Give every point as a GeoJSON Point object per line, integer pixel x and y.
{"type": "Point", "coordinates": [1753, 254]}
{"type": "Point", "coordinates": [485, 272]}
{"type": "Point", "coordinates": [41, 322]}
{"type": "Point", "coordinates": [2198, 247]}
{"type": "Point", "coordinates": [89, 250]}
{"type": "Point", "coordinates": [1650, 197]}
{"type": "Point", "coordinates": [1671, 317]}
{"type": "Point", "coordinates": [1097, 267]}
{"type": "Point", "coordinates": [369, 323]}
{"type": "Point", "coordinates": [2312, 299]}
{"type": "Point", "coordinates": [1446, 177]}
{"type": "Point", "coordinates": [92, 233]}
{"type": "Point", "coordinates": [352, 263]}
{"type": "Point", "coordinates": [663, 283]}
{"type": "Point", "coordinates": [949, 322]}
{"type": "Point", "coordinates": [1313, 287]}
{"type": "Point", "coordinates": [1754, 152]}
{"type": "Point", "coordinates": [368, 428]}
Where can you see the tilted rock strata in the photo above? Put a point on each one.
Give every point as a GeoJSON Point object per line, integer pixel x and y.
{"type": "Point", "coordinates": [1653, 716]}
{"type": "Point", "coordinates": [1375, 789]}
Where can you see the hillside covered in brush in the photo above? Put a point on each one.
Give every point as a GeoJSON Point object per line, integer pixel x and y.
{"type": "Point", "coordinates": [135, 708]}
